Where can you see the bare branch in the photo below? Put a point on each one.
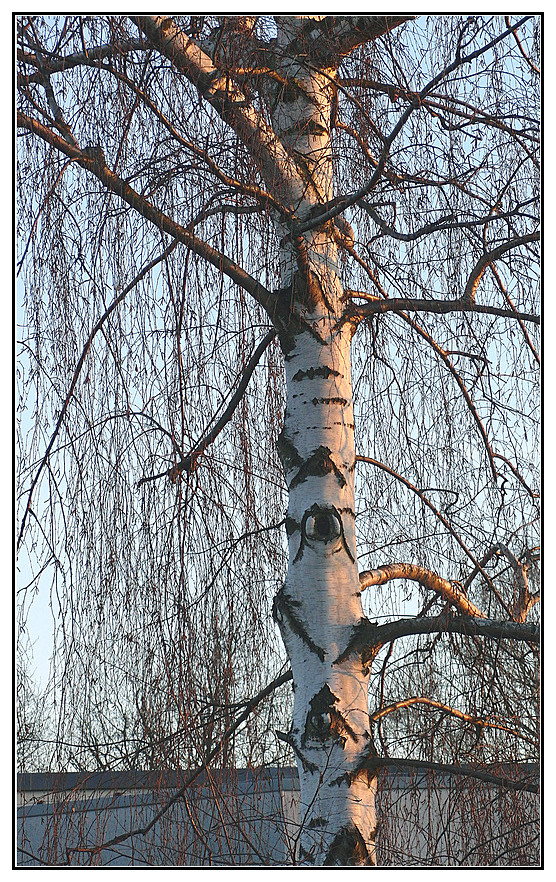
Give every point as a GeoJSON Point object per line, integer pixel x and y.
{"type": "Point", "coordinates": [335, 36]}
{"type": "Point", "coordinates": [376, 306]}
{"type": "Point", "coordinates": [327, 212]}
{"type": "Point", "coordinates": [429, 505]}
{"type": "Point", "coordinates": [525, 599]}
{"type": "Point", "coordinates": [232, 104]}
{"type": "Point", "coordinates": [489, 258]}
{"type": "Point", "coordinates": [57, 64]}
{"type": "Point", "coordinates": [478, 722]}
{"type": "Point", "coordinates": [529, 783]}
{"type": "Point", "coordinates": [447, 590]}
{"type": "Point", "coordinates": [188, 464]}
{"type": "Point", "coordinates": [121, 188]}
{"type": "Point", "coordinates": [469, 627]}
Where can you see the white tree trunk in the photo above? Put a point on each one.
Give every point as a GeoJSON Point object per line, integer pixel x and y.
{"type": "Point", "coordinates": [319, 606]}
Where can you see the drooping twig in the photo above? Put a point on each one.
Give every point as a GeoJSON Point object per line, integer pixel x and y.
{"type": "Point", "coordinates": [115, 303]}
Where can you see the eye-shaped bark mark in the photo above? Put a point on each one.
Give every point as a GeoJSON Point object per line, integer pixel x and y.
{"type": "Point", "coordinates": [322, 525]}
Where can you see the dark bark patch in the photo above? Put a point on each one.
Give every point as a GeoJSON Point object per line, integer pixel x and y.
{"type": "Point", "coordinates": [348, 849]}
{"type": "Point", "coordinates": [317, 822]}
{"type": "Point", "coordinates": [287, 451]}
{"type": "Point", "coordinates": [292, 526]}
{"type": "Point", "coordinates": [283, 612]}
{"type": "Point", "coordinates": [311, 373]}
{"type": "Point", "coordinates": [343, 402]}
{"type": "Point", "coordinates": [308, 766]}
{"type": "Point", "coordinates": [319, 464]}
{"type": "Point", "coordinates": [318, 722]}
{"type": "Point", "coordinates": [362, 641]}
{"type": "Point", "coordinates": [324, 721]}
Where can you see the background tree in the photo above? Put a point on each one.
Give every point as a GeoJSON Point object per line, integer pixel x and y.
{"type": "Point", "coordinates": [246, 232]}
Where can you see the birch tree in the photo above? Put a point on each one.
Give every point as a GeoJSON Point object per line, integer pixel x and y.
{"type": "Point", "coordinates": [346, 208]}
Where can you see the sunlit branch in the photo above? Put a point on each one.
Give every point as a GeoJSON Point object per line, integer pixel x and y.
{"type": "Point", "coordinates": [264, 198]}
{"type": "Point", "coordinates": [478, 722]}
{"type": "Point", "coordinates": [447, 590]}
{"type": "Point", "coordinates": [525, 599]}
{"type": "Point", "coordinates": [489, 258]}
{"type": "Point", "coordinates": [429, 505]}
{"type": "Point", "coordinates": [227, 98]}
{"type": "Point", "coordinates": [520, 47]}
{"type": "Point", "coordinates": [442, 519]}
{"type": "Point", "coordinates": [337, 35]}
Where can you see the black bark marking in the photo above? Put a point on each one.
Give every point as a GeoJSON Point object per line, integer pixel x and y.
{"type": "Point", "coordinates": [292, 526]}
{"type": "Point", "coordinates": [319, 464]}
{"type": "Point", "coordinates": [336, 400]}
{"type": "Point", "coordinates": [348, 849]}
{"type": "Point", "coordinates": [308, 766]}
{"type": "Point", "coordinates": [317, 822]}
{"type": "Point", "coordinates": [287, 451]}
{"type": "Point", "coordinates": [318, 722]}
{"type": "Point", "coordinates": [324, 722]}
{"type": "Point", "coordinates": [283, 608]}
{"type": "Point", "coordinates": [311, 373]}
{"type": "Point", "coordinates": [362, 641]}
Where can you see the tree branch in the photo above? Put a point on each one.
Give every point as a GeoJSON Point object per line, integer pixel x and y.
{"type": "Point", "coordinates": [447, 590]}
{"type": "Point", "coordinates": [435, 511]}
{"type": "Point", "coordinates": [470, 627]}
{"type": "Point", "coordinates": [63, 63]}
{"type": "Point", "coordinates": [375, 306]}
{"type": "Point", "coordinates": [488, 258]}
{"type": "Point", "coordinates": [276, 165]}
{"type": "Point", "coordinates": [527, 783]}
{"type": "Point", "coordinates": [478, 722]}
{"type": "Point", "coordinates": [332, 37]}
{"type": "Point", "coordinates": [189, 462]}
{"type": "Point", "coordinates": [337, 206]}
{"type": "Point", "coordinates": [525, 599]}
{"type": "Point", "coordinates": [164, 223]}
